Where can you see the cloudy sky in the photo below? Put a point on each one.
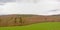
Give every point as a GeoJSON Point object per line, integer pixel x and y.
{"type": "Point", "coordinates": [39, 7]}
{"type": "Point", "coordinates": [7, 0]}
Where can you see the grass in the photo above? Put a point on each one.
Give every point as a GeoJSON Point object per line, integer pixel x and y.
{"type": "Point", "coordinates": [38, 26]}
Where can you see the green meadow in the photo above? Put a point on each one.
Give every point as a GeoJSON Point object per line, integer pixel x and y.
{"type": "Point", "coordinates": [37, 26]}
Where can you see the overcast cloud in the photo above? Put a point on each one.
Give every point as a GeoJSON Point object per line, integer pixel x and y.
{"type": "Point", "coordinates": [7, 0]}
{"type": "Point", "coordinates": [42, 7]}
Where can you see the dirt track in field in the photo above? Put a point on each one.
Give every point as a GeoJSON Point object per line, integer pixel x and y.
{"type": "Point", "coordinates": [18, 20]}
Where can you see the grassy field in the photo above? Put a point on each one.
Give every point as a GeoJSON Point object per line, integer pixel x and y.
{"type": "Point", "coordinates": [38, 26]}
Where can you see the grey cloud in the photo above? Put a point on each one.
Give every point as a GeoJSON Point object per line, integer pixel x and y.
{"type": "Point", "coordinates": [7, 0]}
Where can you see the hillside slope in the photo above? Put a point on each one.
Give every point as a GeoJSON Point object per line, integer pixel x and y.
{"type": "Point", "coordinates": [17, 19]}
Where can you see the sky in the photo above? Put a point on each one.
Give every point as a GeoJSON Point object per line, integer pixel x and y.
{"type": "Point", "coordinates": [38, 7]}
{"type": "Point", "coordinates": [7, 0]}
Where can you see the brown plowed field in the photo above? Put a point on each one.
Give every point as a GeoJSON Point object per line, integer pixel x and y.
{"type": "Point", "coordinates": [18, 20]}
